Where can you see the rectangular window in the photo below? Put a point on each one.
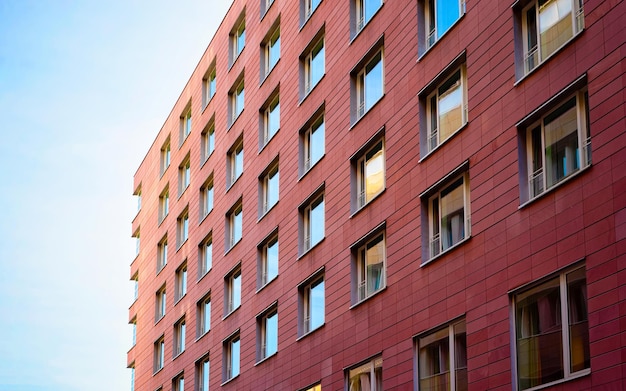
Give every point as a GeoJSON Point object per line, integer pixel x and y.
{"type": "Point", "coordinates": [313, 144]}
{"type": "Point", "coordinates": [365, 10]}
{"type": "Point", "coordinates": [133, 324]}
{"type": "Point", "coordinates": [369, 83]}
{"type": "Point", "coordinates": [268, 257]}
{"type": "Point", "coordinates": [208, 85]}
{"type": "Point", "coordinates": [205, 258]}
{"type": "Point", "coordinates": [159, 354]}
{"type": "Point", "coordinates": [203, 318]}
{"type": "Point", "coordinates": [184, 175]}
{"type": "Point", "coordinates": [137, 237]}
{"type": "Point", "coordinates": [206, 197]}
{"type": "Point", "coordinates": [162, 254]}
{"type": "Point", "coordinates": [308, 7]}
{"type": "Point", "coordinates": [231, 348]}
{"type": "Point", "coordinates": [265, 5]}
{"type": "Point", "coordinates": [233, 291]}
{"type": "Point", "coordinates": [238, 39]}
{"type": "Point", "coordinates": [437, 18]}
{"type": "Point", "coordinates": [161, 302]}
{"type": "Point", "coordinates": [181, 281]}
{"type": "Point", "coordinates": [369, 270]}
{"type": "Point", "coordinates": [557, 145]}
{"type": "Point", "coordinates": [312, 304]}
{"type": "Point", "coordinates": [180, 331]}
{"type": "Point", "coordinates": [135, 280]}
{"type": "Point", "coordinates": [552, 330]}
{"type": "Point", "coordinates": [132, 377]}
{"type": "Point", "coordinates": [203, 372]}
{"type": "Point", "coordinates": [312, 216]}
{"type": "Point", "coordinates": [368, 376]}
{"type": "Point", "coordinates": [165, 155]}
{"type": "Point", "coordinates": [442, 358]}
{"type": "Point", "coordinates": [164, 203]}
{"type": "Point", "coordinates": [313, 65]}
{"type": "Point", "coordinates": [269, 187]}
{"type": "Point", "coordinates": [267, 326]}
{"type": "Point", "coordinates": [185, 124]}
{"type": "Point", "coordinates": [183, 227]}
{"type": "Point", "coordinates": [270, 51]}
{"type": "Point", "coordinates": [369, 168]}
{"type": "Point", "coordinates": [235, 162]}
{"type": "Point", "coordinates": [137, 194]}
{"type": "Point", "coordinates": [178, 384]}
{"type": "Point", "coordinates": [446, 109]}
{"type": "Point", "coordinates": [234, 225]}
{"type": "Point", "coordinates": [271, 120]}
{"type": "Point", "coordinates": [543, 27]}
{"type": "Point", "coordinates": [207, 142]}
{"type": "Point", "coordinates": [237, 100]}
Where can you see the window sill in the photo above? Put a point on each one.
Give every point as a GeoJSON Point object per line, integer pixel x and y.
{"type": "Point", "coordinates": [551, 189]}
{"type": "Point", "coordinates": [364, 206]}
{"type": "Point", "coordinates": [178, 355]}
{"type": "Point", "coordinates": [354, 124]}
{"type": "Point", "coordinates": [233, 183]}
{"type": "Point", "coordinates": [232, 247]}
{"type": "Point", "coordinates": [181, 245]}
{"type": "Point", "coordinates": [234, 120]}
{"type": "Point", "coordinates": [231, 312]}
{"type": "Point", "coordinates": [264, 359]}
{"type": "Point", "coordinates": [557, 51]}
{"type": "Point", "coordinates": [266, 284]}
{"type": "Point", "coordinates": [157, 371]}
{"type": "Point", "coordinates": [159, 320]}
{"type": "Point", "coordinates": [203, 334]}
{"type": "Point", "coordinates": [304, 23]}
{"type": "Point", "coordinates": [368, 297]}
{"type": "Point", "coordinates": [202, 276]}
{"type": "Point", "coordinates": [578, 375]}
{"type": "Point", "coordinates": [310, 332]}
{"type": "Point", "coordinates": [306, 94]}
{"type": "Point", "coordinates": [310, 249]}
{"type": "Point", "coordinates": [421, 56]}
{"type": "Point", "coordinates": [206, 159]}
{"type": "Point", "coordinates": [358, 33]}
{"type": "Point", "coordinates": [268, 73]}
{"type": "Point", "coordinates": [265, 213]}
{"type": "Point", "coordinates": [235, 58]}
{"type": "Point", "coordinates": [205, 216]}
{"type": "Point", "coordinates": [229, 380]}
{"type": "Point", "coordinates": [441, 254]}
{"type": "Point", "coordinates": [444, 142]}
{"type": "Point", "coordinates": [310, 168]}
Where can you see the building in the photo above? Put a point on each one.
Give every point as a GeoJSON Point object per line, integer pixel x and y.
{"type": "Point", "coordinates": [358, 195]}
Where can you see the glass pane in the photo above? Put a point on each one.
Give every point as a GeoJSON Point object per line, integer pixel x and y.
{"type": "Point", "coordinates": [272, 188]}
{"type": "Point", "coordinates": [555, 24]}
{"type": "Point", "coordinates": [316, 144]}
{"type": "Point", "coordinates": [205, 375]}
{"type": "Point", "coordinates": [272, 260]}
{"type": "Point", "coordinates": [371, 6]}
{"type": "Point", "coordinates": [450, 106]}
{"type": "Point", "coordinates": [460, 356]}
{"type": "Point", "coordinates": [234, 358]}
{"type": "Point", "coordinates": [452, 215]}
{"type": "Point", "coordinates": [434, 361]}
{"type": "Point", "coordinates": [373, 81]}
{"type": "Point", "coordinates": [316, 222]}
{"type": "Point", "coordinates": [207, 315]}
{"type": "Point", "coordinates": [317, 305]}
{"type": "Point", "coordinates": [578, 324]}
{"type": "Point", "coordinates": [374, 172]}
{"type": "Point", "coordinates": [317, 65]}
{"type": "Point", "coordinates": [447, 13]}
{"type": "Point", "coordinates": [236, 291]}
{"type": "Point", "coordinates": [271, 334]}
{"type": "Point", "coordinates": [375, 264]}
{"type": "Point", "coordinates": [273, 119]}
{"type": "Point", "coordinates": [237, 224]}
{"type": "Point", "coordinates": [274, 52]}
{"type": "Point", "coordinates": [561, 140]}
{"type": "Point", "coordinates": [208, 256]}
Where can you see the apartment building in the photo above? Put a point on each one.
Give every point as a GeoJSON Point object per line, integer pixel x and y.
{"type": "Point", "coordinates": [400, 195]}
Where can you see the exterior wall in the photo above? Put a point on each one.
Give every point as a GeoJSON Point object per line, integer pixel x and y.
{"type": "Point", "coordinates": [510, 245]}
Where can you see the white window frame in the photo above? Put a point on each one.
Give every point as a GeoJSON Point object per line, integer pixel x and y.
{"type": "Point", "coordinates": [234, 156]}
{"type": "Point", "coordinates": [209, 84]}
{"type": "Point", "coordinates": [178, 384]}
{"type": "Point", "coordinates": [309, 6]}
{"type": "Point", "coordinates": [431, 33]}
{"type": "Point", "coordinates": [238, 39]}
{"type": "Point", "coordinates": [233, 291]}
{"type": "Point", "coordinates": [265, 267]}
{"type": "Point", "coordinates": [164, 203]}
{"type": "Point", "coordinates": [361, 11]}
{"type": "Point", "coordinates": [269, 128]}
{"type": "Point", "coordinates": [264, 346]}
{"type": "Point", "coordinates": [183, 227]}
{"type": "Point", "coordinates": [203, 376]}
{"type": "Point", "coordinates": [166, 155]}
{"type": "Point", "coordinates": [306, 316]}
{"type": "Point", "coordinates": [184, 175]}
{"type": "Point", "coordinates": [237, 101]}
{"type": "Point", "coordinates": [232, 368]}
{"type": "Point", "coordinates": [308, 223]}
{"type": "Point", "coordinates": [307, 159]}
{"type": "Point", "coordinates": [185, 124]}
{"type": "Point", "coordinates": [180, 334]}
{"type": "Point", "coordinates": [268, 199]}
{"type": "Point", "coordinates": [161, 303]}
{"type": "Point", "coordinates": [162, 254]}
{"type": "Point", "coordinates": [205, 258]}
{"type": "Point", "coordinates": [235, 231]}
{"type": "Point", "coordinates": [207, 143]}
{"type": "Point", "coordinates": [207, 197]}
{"type": "Point", "coordinates": [361, 275]}
{"type": "Point", "coordinates": [362, 86]}
{"type": "Point", "coordinates": [271, 46]}
{"type": "Point", "coordinates": [368, 368]}
{"type": "Point", "coordinates": [181, 281]}
{"type": "Point", "coordinates": [362, 174]}
{"type": "Point", "coordinates": [318, 49]}
{"type": "Point", "coordinates": [137, 236]}
{"type": "Point", "coordinates": [204, 315]}
{"type": "Point", "coordinates": [159, 354]}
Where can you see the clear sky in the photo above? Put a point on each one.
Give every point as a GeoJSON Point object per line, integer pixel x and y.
{"type": "Point", "coordinates": [85, 85]}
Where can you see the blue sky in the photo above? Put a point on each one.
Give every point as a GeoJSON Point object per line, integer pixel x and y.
{"type": "Point", "coordinates": [85, 86]}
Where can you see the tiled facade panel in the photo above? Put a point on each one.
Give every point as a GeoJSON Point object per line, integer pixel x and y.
{"type": "Point", "coordinates": [512, 242]}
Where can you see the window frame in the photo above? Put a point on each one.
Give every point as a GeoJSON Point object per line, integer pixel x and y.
{"type": "Point", "coordinates": [207, 197]}
{"type": "Point", "coordinates": [165, 155]}
{"type": "Point", "coordinates": [232, 290]}
{"type": "Point", "coordinates": [315, 124]}
{"type": "Point", "coordinates": [308, 7]}
{"type": "Point", "coordinates": [262, 320]}
{"type": "Point", "coordinates": [229, 364]}
{"type": "Point", "coordinates": [180, 335]}
{"type": "Point", "coordinates": [235, 170]}
{"type": "Point", "coordinates": [185, 124]}
{"type": "Point", "coordinates": [427, 42]}
{"type": "Point", "coordinates": [308, 62]}
{"type": "Point", "coordinates": [265, 186]}
{"type": "Point", "coordinates": [182, 228]}
{"type": "Point", "coordinates": [263, 268]}
{"type": "Point", "coordinates": [360, 15]}
{"type": "Point", "coordinates": [205, 263]}
{"type": "Point", "coordinates": [360, 369]}
{"type": "Point", "coordinates": [359, 272]}
{"type": "Point", "coordinates": [178, 383]}
{"type": "Point", "coordinates": [237, 99]}
{"type": "Point", "coordinates": [184, 175]}
{"type": "Point", "coordinates": [234, 231]}
{"type": "Point", "coordinates": [307, 223]}
{"type": "Point", "coordinates": [268, 130]}
{"type": "Point", "coordinates": [203, 373]}
{"type": "Point", "coordinates": [203, 318]}
{"type": "Point", "coordinates": [359, 80]}
{"type": "Point", "coordinates": [526, 291]}
{"type": "Point", "coordinates": [209, 84]}
{"type": "Point", "coordinates": [270, 43]}
{"type": "Point", "coordinates": [359, 175]}
{"type": "Point", "coordinates": [160, 303]}
{"type": "Point", "coordinates": [162, 254]}
{"type": "Point", "coordinates": [306, 306]}
{"type": "Point", "coordinates": [164, 203]}
{"type": "Point", "coordinates": [181, 281]}
{"type": "Point", "coordinates": [207, 140]}
{"type": "Point", "coordinates": [237, 38]}
{"type": "Point", "coordinates": [159, 354]}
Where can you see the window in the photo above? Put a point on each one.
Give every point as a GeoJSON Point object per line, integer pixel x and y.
{"type": "Point", "coordinates": [207, 142]}
{"type": "Point", "coordinates": [436, 18]}
{"type": "Point", "coordinates": [160, 303]}
{"type": "Point", "coordinates": [308, 7]}
{"type": "Point", "coordinates": [233, 290]}
{"type": "Point", "coordinates": [205, 258]}
{"type": "Point", "coordinates": [159, 354]}
{"type": "Point", "coordinates": [369, 173]}
{"type": "Point", "coordinates": [312, 143]}
{"type": "Point", "coordinates": [369, 269]}
{"type": "Point", "coordinates": [206, 197]}
{"type": "Point", "coordinates": [366, 377]}
{"type": "Point", "coordinates": [181, 281]}
{"type": "Point", "coordinates": [313, 65]}
{"type": "Point", "coordinates": [236, 100]}
{"type": "Point", "coordinates": [364, 11]}
{"type": "Point", "coordinates": [238, 39]}
{"type": "Point", "coordinates": [178, 384]}
{"type": "Point", "coordinates": [270, 51]}
{"type": "Point", "coordinates": [208, 85]}
{"type": "Point", "coordinates": [311, 295]}
{"type": "Point", "coordinates": [135, 280]}
{"type": "Point", "coordinates": [442, 358]}
{"type": "Point", "coordinates": [133, 323]}
{"type": "Point", "coordinates": [555, 144]}
{"type": "Point", "coordinates": [132, 377]}
{"type": "Point", "coordinates": [445, 107]}
{"type": "Point", "coordinates": [235, 162]}
{"type": "Point", "coordinates": [164, 203]}
{"type": "Point", "coordinates": [269, 188]}
{"type": "Point", "coordinates": [369, 83]}
{"type": "Point", "coordinates": [271, 120]}
{"type": "Point", "coordinates": [165, 155]}
{"type": "Point", "coordinates": [136, 235]}
{"type": "Point", "coordinates": [234, 225]}
{"type": "Point", "coordinates": [185, 123]}
{"type": "Point", "coordinates": [543, 27]}
{"type": "Point", "coordinates": [203, 371]}
{"type": "Point", "coordinates": [551, 330]}
{"type": "Point", "coordinates": [137, 194]}
{"type": "Point", "coordinates": [267, 326]}
{"type": "Point", "coordinates": [204, 315]}
{"type": "Point", "coordinates": [162, 254]}
{"type": "Point", "coordinates": [183, 227]}
{"type": "Point", "coordinates": [184, 175]}
{"type": "Point", "coordinates": [265, 5]}
{"type": "Point", "coordinates": [179, 337]}
{"type": "Point", "coordinates": [231, 356]}
{"type": "Point", "coordinates": [447, 209]}
{"type": "Point", "coordinates": [312, 223]}
{"type": "Point", "coordinates": [268, 260]}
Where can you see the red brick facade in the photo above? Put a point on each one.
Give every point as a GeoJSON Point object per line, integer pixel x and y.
{"type": "Point", "coordinates": [512, 239]}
